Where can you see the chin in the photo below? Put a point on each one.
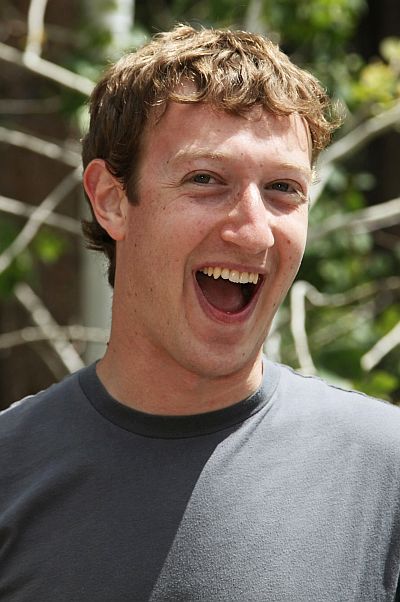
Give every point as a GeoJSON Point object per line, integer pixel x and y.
{"type": "Point", "coordinates": [214, 364]}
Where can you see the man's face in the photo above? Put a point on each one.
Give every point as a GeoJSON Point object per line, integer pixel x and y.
{"type": "Point", "coordinates": [221, 198]}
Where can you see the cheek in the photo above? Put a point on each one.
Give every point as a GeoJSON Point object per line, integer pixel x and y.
{"type": "Point", "coordinates": [187, 226]}
{"type": "Point", "coordinates": [295, 244]}
{"type": "Point", "coordinates": [292, 243]}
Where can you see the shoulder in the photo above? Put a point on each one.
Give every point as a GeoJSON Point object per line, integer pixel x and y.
{"type": "Point", "coordinates": [40, 440]}
{"type": "Point", "coordinates": [338, 411]}
{"type": "Point", "coordinates": [43, 403]}
{"type": "Point", "coordinates": [40, 422]}
{"type": "Point", "coordinates": [320, 394]}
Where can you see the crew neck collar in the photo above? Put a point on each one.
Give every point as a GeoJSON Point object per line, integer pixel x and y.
{"type": "Point", "coordinates": [176, 427]}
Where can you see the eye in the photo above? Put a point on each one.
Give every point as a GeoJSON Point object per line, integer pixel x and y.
{"type": "Point", "coordinates": [204, 185]}
{"type": "Point", "coordinates": [283, 187]}
{"type": "Point", "coordinates": [287, 191]}
{"type": "Point", "coordinates": [202, 178]}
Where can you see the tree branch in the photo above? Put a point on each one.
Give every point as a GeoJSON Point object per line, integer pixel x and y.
{"type": "Point", "coordinates": [351, 296]}
{"type": "Point", "coordinates": [39, 215]}
{"type": "Point", "coordinates": [381, 348]}
{"type": "Point", "coordinates": [63, 222]}
{"type": "Point", "coordinates": [298, 295]}
{"type": "Point", "coordinates": [51, 71]}
{"type": "Point", "coordinates": [302, 290]}
{"type": "Point", "coordinates": [365, 220]}
{"type": "Point", "coordinates": [253, 20]}
{"type": "Point", "coordinates": [362, 134]}
{"type": "Point", "coordinates": [35, 36]}
{"type": "Point", "coordinates": [41, 316]}
{"type": "Point", "coordinates": [272, 344]}
{"type": "Point", "coordinates": [29, 106]}
{"type": "Point", "coordinates": [351, 142]}
{"type": "Point", "coordinates": [35, 334]}
{"type": "Point", "coordinates": [40, 146]}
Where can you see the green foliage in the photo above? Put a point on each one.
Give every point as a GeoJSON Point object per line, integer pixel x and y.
{"type": "Point", "coordinates": [378, 383]}
{"type": "Point", "coordinates": [378, 83]}
{"type": "Point", "coordinates": [319, 35]}
{"type": "Point", "coordinates": [20, 268]}
{"type": "Point", "coordinates": [48, 246]}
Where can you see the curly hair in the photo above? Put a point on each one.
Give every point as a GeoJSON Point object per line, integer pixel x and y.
{"type": "Point", "coordinates": [231, 70]}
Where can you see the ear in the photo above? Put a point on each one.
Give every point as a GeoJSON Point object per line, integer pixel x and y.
{"type": "Point", "coordinates": [108, 200]}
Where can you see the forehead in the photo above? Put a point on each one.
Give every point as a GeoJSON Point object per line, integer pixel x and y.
{"type": "Point", "coordinates": [185, 129]}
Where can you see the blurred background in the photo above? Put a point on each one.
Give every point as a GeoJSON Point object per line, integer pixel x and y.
{"type": "Point", "coordinates": [342, 318]}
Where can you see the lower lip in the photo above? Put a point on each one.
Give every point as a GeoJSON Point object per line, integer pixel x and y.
{"type": "Point", "coordinates": [223, 316]}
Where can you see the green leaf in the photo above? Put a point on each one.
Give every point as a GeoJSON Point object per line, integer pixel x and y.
{"type": "Point", "coordinates": [378, 384]}
{"type": "Point", "coordinates": [48, 246]}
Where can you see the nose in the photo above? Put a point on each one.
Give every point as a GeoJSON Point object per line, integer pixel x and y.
{"type": "Point", "coordinates": [249, 224]}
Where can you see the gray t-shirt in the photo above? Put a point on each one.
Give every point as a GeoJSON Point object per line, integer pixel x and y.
{"type": "Point", "coordinates": [290, 495]}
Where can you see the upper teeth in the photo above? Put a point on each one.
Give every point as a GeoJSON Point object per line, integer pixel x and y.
{"type": "Point", "coordinates": [232, 275]}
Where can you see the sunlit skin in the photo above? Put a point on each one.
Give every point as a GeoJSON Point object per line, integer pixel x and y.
{"type": "Point", "coordinates": [214, 190]}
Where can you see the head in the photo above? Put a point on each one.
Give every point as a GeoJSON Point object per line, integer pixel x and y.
{"type": "Point", "coordinates": [232, 71]}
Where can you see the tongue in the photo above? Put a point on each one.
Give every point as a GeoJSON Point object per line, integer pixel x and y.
{"type": "Point", "coordinates": [222, 294]}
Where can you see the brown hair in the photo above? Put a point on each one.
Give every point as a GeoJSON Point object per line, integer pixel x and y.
{"type": "Point", "coordinates": [231, 70]}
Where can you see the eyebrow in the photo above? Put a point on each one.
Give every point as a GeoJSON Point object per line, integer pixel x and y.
{"type": "Point", "coordinates": [184, 155]}
{"type": "Point", "coordinates": [307, 172]}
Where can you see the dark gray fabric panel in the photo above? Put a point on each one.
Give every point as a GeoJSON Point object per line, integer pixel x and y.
{"type": "Point", "coordinates": [293, 494]}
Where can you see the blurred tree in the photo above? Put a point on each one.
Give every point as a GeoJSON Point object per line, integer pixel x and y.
{"type": "Point", "coordinates": [342, 318]}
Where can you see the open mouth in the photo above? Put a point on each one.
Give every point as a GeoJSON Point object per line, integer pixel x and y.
{"type": "Point", "coordinates": [229, 291]}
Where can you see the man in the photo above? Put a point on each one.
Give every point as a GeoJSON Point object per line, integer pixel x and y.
{"type": "Point", "coordinates": [184, 465]}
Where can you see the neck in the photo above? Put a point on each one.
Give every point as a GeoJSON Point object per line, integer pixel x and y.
{"type": "Point", "coordinates": [153, 382]}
